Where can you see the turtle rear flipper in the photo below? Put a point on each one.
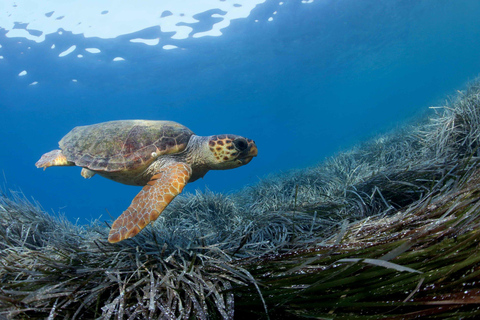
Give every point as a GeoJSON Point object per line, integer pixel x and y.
{"type": "Point", "coordinates": [151, 201]}
{"type": "Point", "coordinates": [53, 158]}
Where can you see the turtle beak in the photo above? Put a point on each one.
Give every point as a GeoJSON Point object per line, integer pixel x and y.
{"type": "Point", "coordinates": [244, 161]}
{"type": "Point", "coordinates": [252, 152]}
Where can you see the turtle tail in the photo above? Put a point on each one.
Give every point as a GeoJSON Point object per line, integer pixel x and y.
{"type": "Point", "coordinates": [53, 158]}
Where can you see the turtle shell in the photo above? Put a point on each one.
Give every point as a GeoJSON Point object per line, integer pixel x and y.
{"type": "Point", "coordinates": [123, 145]}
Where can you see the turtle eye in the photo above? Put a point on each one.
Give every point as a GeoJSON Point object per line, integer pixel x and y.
{"type": "Point", "coordinates": [241, 144]}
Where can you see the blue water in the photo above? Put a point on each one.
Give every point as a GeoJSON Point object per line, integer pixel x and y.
{"type": "Point", "coordinates": [317, 79]}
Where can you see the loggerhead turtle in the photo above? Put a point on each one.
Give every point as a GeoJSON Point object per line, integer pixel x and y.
{"type": "Point", "coordinates": [162, 156]}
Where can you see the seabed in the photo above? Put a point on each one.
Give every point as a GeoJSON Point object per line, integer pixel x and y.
{"type": "Point", "coordinates": [387, 230]}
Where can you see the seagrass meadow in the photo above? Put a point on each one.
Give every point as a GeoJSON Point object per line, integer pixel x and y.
{"type": "Point", "coordinates": [387, 230]}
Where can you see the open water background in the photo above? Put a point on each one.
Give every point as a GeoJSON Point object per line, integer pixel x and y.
{"type": "Point", "coordinates": [318, 78]}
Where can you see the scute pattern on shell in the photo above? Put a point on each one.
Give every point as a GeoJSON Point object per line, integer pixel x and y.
{"type": "Point", "coordinates": [124, 144]}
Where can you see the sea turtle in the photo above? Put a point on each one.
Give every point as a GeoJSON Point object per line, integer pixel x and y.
{"type": "Point", "coordinates": [162, 156]}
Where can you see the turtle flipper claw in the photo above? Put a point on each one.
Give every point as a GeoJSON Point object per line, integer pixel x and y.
{"type": "Point", "coordinates": [151, 201]}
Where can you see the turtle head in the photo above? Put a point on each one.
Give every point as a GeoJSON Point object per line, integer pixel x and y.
{"type": "Point", "coordinates": [228, 151]}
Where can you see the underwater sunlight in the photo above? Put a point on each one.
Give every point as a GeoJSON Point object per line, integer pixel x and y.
{"type": "Point", "coordinates": [358, 119]}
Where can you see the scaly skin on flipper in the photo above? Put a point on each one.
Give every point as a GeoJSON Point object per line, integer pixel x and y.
{"type": "Point", "coordinates": [150, 202]}
{"type": "Point", "coordinates": [87, 173]}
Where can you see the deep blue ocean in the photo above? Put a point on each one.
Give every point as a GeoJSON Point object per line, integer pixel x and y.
{"type": "Point", "coordinates": [318, 78]}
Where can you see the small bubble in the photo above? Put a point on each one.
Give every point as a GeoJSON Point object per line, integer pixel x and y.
{"type": "Point", "coordinates": [92, 50]}
{"type": "Point", "coordinates": [68, 51]}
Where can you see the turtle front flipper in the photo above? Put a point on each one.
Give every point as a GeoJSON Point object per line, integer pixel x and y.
{"type": "Point", "coordinates": [53, 158]}
{"type": "Point", "coordinates": [151, 201]}
{"type": "Point", "coordinates": [87, 173]}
